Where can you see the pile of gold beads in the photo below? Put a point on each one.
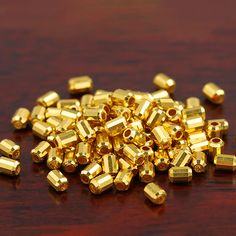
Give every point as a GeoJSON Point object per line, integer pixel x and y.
{"type": "Point", "coordinates": [118, 135]}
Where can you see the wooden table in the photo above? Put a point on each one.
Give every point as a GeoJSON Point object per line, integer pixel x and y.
{"type": "Point", "coordinates": [121, 44]}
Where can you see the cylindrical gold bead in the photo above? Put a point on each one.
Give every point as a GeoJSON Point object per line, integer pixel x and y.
{"type": "Point", "coordinates": [70, 163]}
{"type": "Point", "coordinates": [83, 152]}
{"type": "Point", "coordinates": [40, 152]}
{"type": "Point", "coordinates": [131, 135]}
{"type": "Point", "coordinates": [199, 162]}
{"type": "Point", "coordinates": [94, 115]}
{"type": "Point", "coordinates": [156, 118]}
{"type": "Point", "coordinates": [103, 144]}
{"type": "Point", "coordinates": [102, 98]}
{"type": "Point", "coordinates": [80, 84]}
{"type": "Point", "coordinates": [110, 164]}
{"type": "Point", "coordinates": [123, 180]}
{"type": "Point", "coordinates": [123, 97]}
{"type": "Point", "coordinates": [55, 158]}
{"type": "Point", "coordinates": [85, 131]}
{"type": "Point", "coordinates": [193, 102]}
{"type": "Point", "coordinates": [52, 139]}
{"type": "Point", "coordinates": [120, 111]}
{"type": "Point", "coordinates": [10, 149]}
{"type": "Point", "coordinates": [139, 96]}
{"type": "Point", "coordinates": [175, 131]}
{"type": "Point", "coordinates": [136, 124]}
{"type": "Point", "coordinates": [194, 111]}
{"type": "Point", "coordinates": [161, 137]}
{"type": "Point", "coordinates": [69, 104]}
{"type": "Point", "coordinates": [41, 129]}
{"type": "Point", "coordinates": [125, 164]}
{"type": "Point", "coordinates": [193, 124]}
{"type": "Point", "coordinates": [57, 180]}
{"type": "Point", "coordinates": [146, 172]}
{"type": "Point", "coordinates": [148, 153]}
{"type": "Point", "coordinates": [134, 154]}
{"type": "Point", "coordinates": [197, 137]}
{"type": "Point", "coordinates": [20, 118]}
{"type": "Point", "coordinates": [214, 129]}
{"type": "Point", "coordinates": [66, 139]}
{"type": "Point", "coordinates": [200, 146]}
{"type": "Point", "coordinates": [143, 109]}
{"type": "Point", "coordinates": [86, 100]}
{"type": "Point", "coordinates": [182, 158]}
{"type": "Point", "coordinates": [180, 174]}
{"type": "Point", "coordinates": [173, 114]}
{"type": "Point", "coordinates": [54, 121]}
{"type": "Point", "coordinates": [70, 114]}
{"type": "Point", "coordinates": [164, 82]}
{"type": "Point", "coordinates": [225, 162]}
{"type": "Point", "coordinates": [155, 193]}
{"type": "Point", "coordinates": [37, 114]}
{"type": "Point", "coordinates": [65, 125]}
{"type": "Point", "coordinates": [48, 99]}
{"type": "Point", "coordinates": [101, 183]}
{"type": "Point", "coordinates": [216, 147]}
{"type": "Point", "coordinates": [118, 144]}
{"type": "Point", "coordinates": [213, 93]}
{"type": "Point", "coordinates": [90, 172]}
{"type": "Point", "coordinates": [115, 126]}
{"type": "Point", "coordinates": [223, 124]}
{"type": "Point", "coordinates": [165, 103]}
{"type": "Point", "coordinates": [53, 111]}
{"type": "Point", "coordinates": [9, 166]}
{"type": "Point", "coordinates": [161, 160]}
{"type": "Point", "coordinates": [161, 93]}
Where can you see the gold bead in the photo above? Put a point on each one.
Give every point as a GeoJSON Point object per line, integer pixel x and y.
{"type": "Point", "coordinates": [42, 129]}
{"type": "Point", "coordinates": [103, 144]}
{"type": "Point", "coordinates": [182, 158]}
{"type": "Point", "coordinates": [110, 164]}
{"type": "Point", "coordinates": [157, 117]}
{"type": "Point", "coordinates": [55, 158]}
{"type": "Point", "coordinates": [66, 139]}
{"type": "Point", "coordinates": [85, 131]}
{"type": "Point", "coordinates": [48, 99]}
{"type": "Point", "coordinates": [161, 137]}
{"type": "Point", "coordinates": [123, 98]}
{"type": "Point", "coordinates": [20, 118]}
{"type": "Point", "coordinates": [90, 172]}
{"type": "Point", "coordinates": [134, 154]}
{"type": "Point", "coordinates": [9, 166]}
{"type": "Point", "coordinates": [225, 162]}
{"type": "Point", "coordinates": [216, 147]}
{"type": "Point", "coordinates": [213, 93]}
{"type": "Point", "coordinates": [199, 162]}
{"type": "Point", "coordinates": [161, 93]}
{"type": "Point", "coordinates": [101, 183]}
{"type": "Point", "coordinates": [37, 114]}
{"type": "Point", "coordinates": [70, 163]}
{"type": "Point", "coordinates": [83, 152]}
{"type": "Point", "coordinates": [164, 82]}
{"type": "Point", "coordinates": [57, 180]}
{"type": "Point", "coordinates": [40, 152]}
{"type": "Point", "coordinates": [10, 149]}
{"type": "Point", "coordinates": [80, 84]}
{"type": "Point", "coordinates": [193, 102]}
{"type": "Point", "coordinates": [180, 174]}
{"type": "Point", "coordinates": [161, 160]}
{"type": "Point", "coordinates": [69, 104]}
{"type": "Point", "coordinates": [123, 180]}
{"type": "Point", "coordinates": [131, 135]}
{"type": "Point", "coordinates": [146, 172]}
{"type": "Point", "coordinates": [143, 109]}
{"type": "Point", "coordinates": [115, 126]}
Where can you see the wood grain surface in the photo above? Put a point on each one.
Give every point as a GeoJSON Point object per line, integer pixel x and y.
{"type": "Point", "coordinates": [120, 44]}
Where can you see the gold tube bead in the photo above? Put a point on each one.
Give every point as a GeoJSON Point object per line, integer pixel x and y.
{"type": "Point", "coordinates": [197, 137]}
{"type": "Point", "coordinates": [66, 139]}
{"type": "Point", "coordinates": [161, 160]}
{"type": "Point", "coordinates": [90, 172]}
{"type": "Point", "coordinates": [65, 124]}
{"type": "Point", "coordinates": [194, 111]}
{"type": "Point", "coordinates": [225, 162]}
{"type": "Point", "coordinates": [115, 126]}
{"type": "Point", "coordinates": [40, 152]}
{"type": "Point", "coordinates": [134, 154]}
{"type": "Point", "coordinates": [48, 99]}
{"type": "Point", "coordinates": [125, 164]}
{"type": "Point", "coordinates": [136, 124]}
{"type": "Point", "coordinates": [95, 157]}
{"type": "Point", "coordinates": [103, 144]}
{"type": "Point", "coordinates": [102, 98]}
{"type": "Point", "coordinates": [37, 114]}
{"type": "Point", "coordinates": [118, 144]}
{"type": "Point", "coordinates": [20, 118]}
{"type": "Point", "coordinates": [110, 164]}
{"type": "Point", "coordinates": [200, 147]}
{"type": "Point", "coordinates": [53, 111]}
{"type": "Point", "coordinates": [41, 129]}
{"type": "Point", "coordinates": [55, 158]}
{"type": "Point", "coordinates": [70, 163]}
{"type": "Point", "coordinates": [164, 82]}
{"type": "Point", "coordinates": [180, 174]}
{"type": "Point", "coordinates": [9, 166]}
{"type": "Point", "coordinates": [86, 100]}
{"type": "Point", "coordinates": [101, 91]}
{"type": "Point", "coordinates": [172, 152]}
{"type": "Point", "coordinates": [85, 131]}
{"type": "Point", "coordinates": [80, 84]}
{"type": "Point", "coordinates": [143, 109]}
{"type": "Point", "coordinates": [146, 172]}
{"type": "Point", "coordinates": [70, 114]}
{"type": "Point", "coordinates": [54, 121]}
{"type": "Point", "coordinates": [165, 103]}
{"type": "Point", "coordinates": [57, 180]}
{"type": "Point", "coordinates": [140, 96]}
{"type": "Point", "coordinates": [101, 183]}
{"type": "Point", "coordinates": [214, 130]}
{"type": "Point", "coordinates": [182, 158]}
{"type": "Point", "coordinates": [180, 106]}
{"type": "Point", "coordinates": [216, 147]}
{"type": "Point", "coordinates": [173, 114]}
{"type": "Point", "coordinates": [83, 152]}
{"type": "Point", "coordinates": [148, 153]}
{"type": "Point", "coordinates": [192, 102]}
{"type": "Point", "coordinates": [193, 124]}
{"type": "Point", "coordinates": [223, 124]}
{"type": "Point", "coordinates": [120, 111]}
{"type": "Point", "coordinates": [175, 131]}
{"type": "Point", "coordinates": [156, 117]}
{"type": "Point", "coordinates": [123, 98]}
{"type": "Point", "coordinates": [69, 104]}
{"type": "Point", "coordinates": [199, 162]}
{"type": "Point", "coordinates": [10, 149]}
{"type": "Point", "coordinates": [123, 180]}
{"type": "Point", "coordinates": [51, 138]}
{"type": "Point", "coordinates": [155, 193]}
{"type": "Point", "coordinates": [133, 136]}
{"type": "Point", "coordinates": [94, 115]}
{"type": "Point", "coordinates": [161, 137]}
{"type": "Point", "coordinates": [213, 93]}
{"type": "Point", "coordinates": [161, 93]}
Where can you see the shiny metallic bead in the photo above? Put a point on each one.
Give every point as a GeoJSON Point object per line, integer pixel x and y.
{"type": "Point", "coordinates": [225, 162]}
{"type": "Point", "coordinates": [123, 180]}
{"type": "Point", "coordinates": [140, 96]}
{"type": "Point", "coordinates": [194, 111]}
{"type": "Point", "coordinates": [66, 139]}
{"type": "Point", "coordinates": [172, 152]}
{"type": "Point", "coordinates": [80, 84]}
{"type": "Point", "coordinates": [52, 139]}
{"type": "Point", "coordinates": [200, 147]}
{"type": "Point", "coordinates": [85, 131]}
{"type": "Point", "coordinates": [133, 136]}
{"type": "Point", "coordinates": [148, 153]}
{"type": "Point", "coordinates": [161, 137]}
{"type": "Point", "coordinates": [182, 158]}
{"type": "Point", "coordinates": [102, 98]}
{"type": "Point", "coordinates": [136, 124]}
{"type": "Point", "coordinates": [180, 174]}
{"type": "Point", "coordinates": [54, 121]}
{"type": "Point", "coordinates": [199, 162]}
{"type": "Point", "coordinates": [55, 158]}
{"type": "Point", "coordinates": [83, 152]}
{"type": "Point", "coordinates": [94, 115]}
{"type": "Point", "coordinates": [213, 93]}
{"type": "Point", "coordinates": [156, 117]}
{"type": "Point", "coordinates": [103, 144]}
{"type": "Point", "coordinates": [64, 125]}
{"type": "Point", "coordinates": [118, 144]}
{"type": "Point", "coordinates": [165, 103]}
{"type": "Point", "coordinates": [110, 164]}
{"type": "Point", "coordinates": [48, 99]}
{"type": "Point", "coordinates": [126, 164]}
{"type": "Point", "coordinates": [10, 149]}
{"type": "Point", "coordinates": [40, 152]}
{"type": "Point", "coordinates": [53, 111]}
{"type": "Point", "coordinates": [155, 193]}
{"type": "Point", "coordinates": [9, 166]}
{"type": "Point", "coordinates": [70, 163]}
{"type": "Point", "coordinates": [123, 98]}
{"type": "Point", "coordinates": [214, 129]}
{"type": "Point", "coordinates": [173, 114]}
{"type": "Point", "coordinates": [115, 126]}
{"type": "Point", "coordinates": [161, 160]}
{"type": "Point", "coordinates": [57, 180]}
{"type": "Point", "coordinates": [95, 157]}
{"type": "Point", "coordinates": [223, 124]}
{"type": "Point", "coordinates": [180, 106]}
{"type": "Point", "coordinates": [134, 154]}
{"type": "Point", "coordinates": [164, 82]}
{"type": "Point", "coordinates": [69, 104]}
{"type": "Point", "coordinates": [42, 129]}
{"type": "Point", "coordinates": [146, 172]}
{"type": "Point", "coordinates": [20, 118]}
{"type": "Point", "coordinates": [101, 183]}
{"type": "Point", "coordinates": [143, 109]}
{"type": "Point", "coordinates": [193, 124]}
{"type": "Point", "coordinates": [175, 131]}
{"type": "Point", "coordinates": [120, 111]}
{"type": "Point", "coordinates": [161, 93]}
{"type": "Point", "coordinates": [86, 100]}
{"type": "Point", "coordinates": [70, 114]}
{"type": "Point", "coordinates": [197, 137]}
{"type": "Point", "coordinates": [37, 114]}
{"type": "Point", "coordinates": [216, 147]}
{"type": "Point", "coordinates": [90, 172]}
{"type": "Point", "coordinates": [193, 102]}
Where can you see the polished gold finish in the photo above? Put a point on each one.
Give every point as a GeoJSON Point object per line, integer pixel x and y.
{"type": "Point", "coordinates": [85, 131]}
{"type": "Point", "coordinates": [42, 129]}
{"type": "Point", "coordinates": [103, 144]}
{"type": "Point", "coordinates": [182, 158]}
{"type": "Point", "coordinates": [53, 111]}
{"type": "Point", "coordinates": [143, 109]}
{"type": "Point", "coordinates": [175, 131]}
{"type": "Point", "coordinates": [194, 111]}
{"type": "Point", "coordinates": [161, 137]}
{"type": "Point", "coordinates": [54, 121]}
{"type": "Point", "coordinates": [161, 160]}
{"type": "Point", "coordinates": [57, 180]}
{"type": "Point", "coordinates": [120, 111]}
{"type": "Point", "coordinates": [173, 114]}
{"type": "Point", "coordinates": [115, 126]}
{"type": "Point", "coordinates": [110, 164]}
{"type": "Point", "coordinates": [118, 144]}
{"type": "Point", "coordinates": [90, 172]}
{"type": "Point", "coordinates": [70, 163]}
{"type": "Point", "coordinates": [123, 180]}
{"type": "Point", "coordinates": [66, 139]}
{"type": "Point", "coordinates": [10, 149]}
{"type": "Point", "coordinates": [197, 137]}
{"type": "Point", "coordinates": [52, 139]}
{"type": "Point", "coordinates": [225, 162]}
{"type": "Point", "coordinates": [134, 154]}
{"type": "Point", "coordinates": [94, 115]}
{"type": "Point", "coordinates": [86, 100]}
{"type": "Point", "coordinates": [101, 183]}
{"type": "Point", "coordinates": [48, 99]}
{"type": "Point", "coordinates": [80, 84]}
{"type": "Point", "coordinates": [193, 102]}
{"type": "Point", "coordinates": [83, 152]}
{"type": "Point", "coordinates": [155, 193]}
{"type": "Point", "coordinates": [126, 164]}
{"type": "Point", "coordinates": [148, 153]}
{"type": "Point", "coordinates": [146, 172]}
{"type": "Point", "coordinates": [40, 152]}
{"type": "Point", "coordinates": [136, 124]}
{"type": "Point", "coordinates": [161, 93]}
{"type": "Point", "coordinates": [123, 98]}
{"type": "Point", "coordinates": [165, 103]}
{"type": "Point", "coordinates": [131, 135]}
{"type": "Point", "coordinates": [37, 114]}
{"type": "Point", "coordinates": [70, 114]}
{"type": "Point", "coordinates": [213, 93]}
{"type": "Point", "coordinates": [9, 166]}
{"type": "Point", "coordinates": [193, 124]}
{"type": "Point", "coordinates": [64, 125]}
{"type": "Point", "coordinates": [199, 162]}
{"type": "Point", "coordinates": [216, 147]}
{"type": "Point", "coordinates": [157, 117]}
{"type": "Point", "coordinates": [102, 98]}
{"type": "Point", "coordinates": [180, 174]}
{"type": "Point", "coordinates": [224, 125]}
{"type": "Point", "coordinates": [69, 104]}
{"type": "Point", "coordinates": [199, 147]}
{"type": "Point", "coordinates": [55, 158]}
{"type": "Point", "coordinates": [214, 129]}
{"type": "Point", "coordinates": [164, 82]}
{"type": "Point", "coordinates": [20, 118]}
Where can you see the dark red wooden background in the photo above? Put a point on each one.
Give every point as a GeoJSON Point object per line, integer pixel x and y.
{"type": "Point", "coordinates": [120, 44]}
